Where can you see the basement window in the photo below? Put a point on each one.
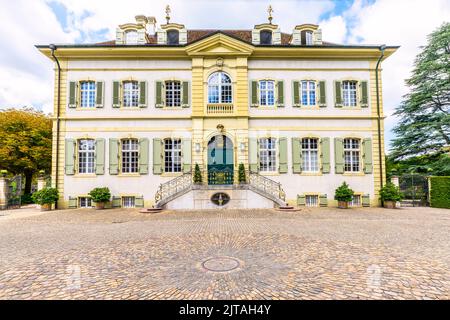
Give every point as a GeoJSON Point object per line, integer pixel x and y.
{"type": "Point", "coordinates": [128, 202]}
{"type": "Point", "coordinates": [356, 201]}
{"type": "Point", "coordinates": [84, 202]}
{"type": "Point", "coordinates": [312, 200]}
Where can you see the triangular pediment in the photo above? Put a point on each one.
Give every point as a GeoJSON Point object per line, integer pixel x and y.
{"type": "Point", "coordinates": [219, 44]}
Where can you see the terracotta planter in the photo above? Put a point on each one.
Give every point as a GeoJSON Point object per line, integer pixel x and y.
{"type": "Point", "coordinates": [99, 205]}
{"type": "Point", "coordinates": [389, 204]}
{"type": "Point", "coordinates": [46, 207]}
{"type": "Point", "coordinates": [342, 204]}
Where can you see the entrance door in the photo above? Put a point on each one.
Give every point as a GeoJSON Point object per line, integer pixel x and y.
{"type": "Point", "coordinates": [220, 160]}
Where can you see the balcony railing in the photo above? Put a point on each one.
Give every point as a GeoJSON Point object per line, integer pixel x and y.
{"type": "Point", "coordinates": [219, 108]}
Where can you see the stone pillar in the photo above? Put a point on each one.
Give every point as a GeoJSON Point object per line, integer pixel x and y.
{"type": "Point", "coordinates": [41, 181]}
{"type": "Point", "coordinates": [395, 181]}
{"type": "Point", "coordinates": [3, 191]}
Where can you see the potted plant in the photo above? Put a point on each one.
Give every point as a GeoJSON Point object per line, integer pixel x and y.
{"type": "Point", "coordinates": [241, 174]}
{"type": "Point", "coordinates": [390, 194]}
{"type": "Point", "coordinates": [343, 195]}
{"type": "Point", "coordinates": [197, 175]}
{"type": "Point", "coordinates": [45, 198]}
{"type": "Point", "coordinates": [100, 196]}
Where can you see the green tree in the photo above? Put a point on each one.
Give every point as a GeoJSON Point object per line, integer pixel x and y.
{"type": "Point", "coordinates": [26, 142]}
{"type": "Point", "coordinates": [424, 125]}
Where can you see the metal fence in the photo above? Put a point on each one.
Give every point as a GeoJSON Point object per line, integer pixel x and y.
{"type": "Point", "coordinates": [414, 188]}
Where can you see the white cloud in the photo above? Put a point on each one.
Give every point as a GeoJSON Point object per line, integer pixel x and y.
{"type": "Point", "coordinates": [334, 29]}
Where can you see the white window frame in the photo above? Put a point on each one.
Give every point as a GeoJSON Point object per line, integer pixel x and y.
{"type": "Point", "coordinates": [221, 87]}
{"type": "Point", "coordinates": [312, 200]}
{"type": "Point", "coordinates": [173, 155]}
{"type": "Point", "coordinates": [85, 202]}
{"type": "Point", "coordinates": [266, 94]}
{"type": "Point", "coordinates": [129, 151]}
{"type": "Point", "coordinates": [87, 95]}
{"type": "Point", "coordinates": [128, 202]}
{"type": "Point", "coordinates": [356, 201]}
{"type": "Point", "coordinates": [86, 157]}
{"type": "Point", "coordinates": [309, 38]}
{"type": "Point", "coordinates": [268, 154]}
{"type": "Point", "coordinates": [308, 88]}
{"type": "Point", "coordinates": [352, 155]}
{"type": "Point", "coordinates": [131, 40]}
{"type": "Point", "coordinates": [350, 93]}
{"type": "Point", "coordinates": [130, 95]}
{"type": "Point", "coordinates": [173, 93]}
{"type": "Point", "coordinates": [310, 155]}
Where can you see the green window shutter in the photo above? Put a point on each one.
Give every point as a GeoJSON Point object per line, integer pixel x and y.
{"type": "Point", "coordinates": [301, 200]}
{"type": "Point", "coordinates": [367, 155]}
{"type": "Point", "coordinates": [323, 200]}
{"type": "Point", "coordinates": [338, 155]}
{"type": "Point", "coordinates": [322, 94]}
{"type": "Point", "coordinates": [116, 94]}
{"type": "Point", "coordinates": [338, 94]}
{"type": "Point", "coordinates": [73, 94]}
{"type": "Point", "coordinates": [253, 154]}
{"type": "Point", "coordinates": [142, 94]}
{"type": "Point", "coordinates": [187, 155]}
{"type": "Point", "coordinates": [139, 202]}
{"type": "Point", "coordinates": [365, 200]}
{"type": "Point", "coordinates": [70, 157]}
{"type": "Point", "coordinates": [296, 93]}
{"type": "Point", "coordinates": [113, 156]}
{"type": "Point", "coordinates": [283, 154]}
{"type": "Point", "coordinates": [157, 156]}
{"type": "Point", "coordinates": [100, 156]}
{"type": "Point", "coordinates": [99, 94]}
{"type": "Point", "coordinates": [185, 102]}
{"type": "Point", "coordinates": [73, 202]}
{"type": "Point", "coordinates": [325, 154]}
{"type": "Point", "coordinates": [254, 88]}
{"type": "Point", "coordinates": [280, 87]}
{"type": "Point", "coordinates": [296, 155]}
{"type": "Point", "coordinates": [159, 103]}
{"type": "Point", "coordinates": [116, 202]}
{"type": "Point", "coordinates": [364, 94]}
{"type": "Point", "coordinates": [143, 156]}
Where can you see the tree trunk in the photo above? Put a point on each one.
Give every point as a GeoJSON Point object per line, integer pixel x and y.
{"type": "Point", "coordinates": [28, 179]}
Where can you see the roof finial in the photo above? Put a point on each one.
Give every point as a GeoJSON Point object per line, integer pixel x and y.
{"type": "Point", "coordinates": [270, 10]}
{"type": "Point", "coordinates": [168, 11]}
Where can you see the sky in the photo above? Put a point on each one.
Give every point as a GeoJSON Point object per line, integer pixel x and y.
{"type": "Point", "coordinates": [26, 77]}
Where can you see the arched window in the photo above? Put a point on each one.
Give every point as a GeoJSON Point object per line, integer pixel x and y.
{"type": "Point", "coordinates": [265, 37]}
{"type": "Point", "coordinates": [219, 88]}
{"type": "Point", "coordinates": [131, 37]}
{"type": "Point", "coordinates": [173, 37]}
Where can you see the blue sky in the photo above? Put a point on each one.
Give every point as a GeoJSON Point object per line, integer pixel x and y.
{"type": "Point", "coordinates": [25, 23]}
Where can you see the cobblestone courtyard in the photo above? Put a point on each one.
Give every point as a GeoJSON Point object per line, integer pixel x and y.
{"type": "Point", "coordinates": [241, 254]}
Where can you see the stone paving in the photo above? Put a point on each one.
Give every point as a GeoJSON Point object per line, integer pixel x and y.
{"type": "Point", "coordinates": [234, 254]}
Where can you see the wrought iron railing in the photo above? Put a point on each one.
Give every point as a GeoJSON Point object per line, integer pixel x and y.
{"type": "Point", "coordinates": [220, 176]}
{"type": "Point", "coordinates": [267, 186]}
{"type": "Point", "coordinates": [219, 108]}
{"type": "Point", "coordinates": [173, 188]}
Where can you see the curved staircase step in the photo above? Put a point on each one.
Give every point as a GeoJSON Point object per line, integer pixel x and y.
{"type": "Point", "coordinates": [151, 210]}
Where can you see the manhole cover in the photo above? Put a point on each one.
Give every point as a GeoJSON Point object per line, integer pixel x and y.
{"type": "Point", "coordinates": [221, 264]}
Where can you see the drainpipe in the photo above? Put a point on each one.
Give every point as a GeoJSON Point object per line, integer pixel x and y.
{"type": "Point", "coordinates": [380, 157]}
{"type": "Point", "coordinates": [53, 48]}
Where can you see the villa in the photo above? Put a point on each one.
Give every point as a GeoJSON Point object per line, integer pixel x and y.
{"type": "Point", "coordinates": [138, 113]}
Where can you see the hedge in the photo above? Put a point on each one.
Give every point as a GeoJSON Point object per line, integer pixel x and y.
{"type": "Point", "coordinates": [440, 192]}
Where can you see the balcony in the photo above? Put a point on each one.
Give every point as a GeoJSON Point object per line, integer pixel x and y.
{"type": "Point", "coordinates": [219, 108]}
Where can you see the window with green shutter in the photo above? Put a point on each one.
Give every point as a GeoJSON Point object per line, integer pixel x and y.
{"type": "Point", "coordinates": [70, 155]}
{"type": "Point", "coordinates": [338, 94]}
{"type": "Point", "coordinates": [366, 200]}
{"type": "Point", "coordinates": [142, 94]}
{"type": "Point", "coordinates": [255, 94]}
{"type": "Point", "coordinates": [301, 200]}
{"type": "Point", "coordinates": [296, 93]}
{"type": "Point", "coordinates": [113, 156]}
{"type": "Point", "coordinates": [325, 154]}
{"type": "Point", "coordinates": [116, 94]}
{"type": "Point", "coordinates": [73, 202]}
{"type": "Point", "coordinates": [253, 154]}
{"type": "Point", "coordinates": [338, 155]}
{"type": "Point", "coordinates": [157, 156]}
{"type": "Point", "coordinates": [99, 94]}
{"type": "Point", "coordinates": [323, 200]}
{"type": "Point", "coordinates": [159, 103]}
{"type": "Point", "coordinates": [100, 156]}
{"type": "Point", "coordinates": [73, 89]}
{"type": "Point", "coordinates": [280, 92]}
{"type": "Point", "coordinates": [364, 94]}
{"type": "Point", "coordinates": [186, 155]}
{"type": "Point", "coordinates": [296, 155]}
{"type": "Point", "coordinates": [139, 202]}
{"type": "Point", "coordinates": [283, 155]}
{"type": "Point", "coordinates": [185, 94]}
{"type": "Point", "coordinates": [367, 155]}
{"type": "Point", "coordinates": [322, 94]}
{"type": "Point", "coordinates": [116, 202]}
{"type": "Point", "coordinates": [143, 156]}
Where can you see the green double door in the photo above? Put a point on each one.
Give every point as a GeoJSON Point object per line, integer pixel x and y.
{"type": "Point", "coordinates": [220, 160]}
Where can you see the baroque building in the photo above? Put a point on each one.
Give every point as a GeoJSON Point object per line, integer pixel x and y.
{"type": "Point", "coordinates": [137, 114]}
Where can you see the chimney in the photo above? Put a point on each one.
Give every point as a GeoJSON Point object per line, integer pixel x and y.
{"type": "Point", "coordinates": [141, 20]}
{"type": "Point", "coordinates": [152, 22]}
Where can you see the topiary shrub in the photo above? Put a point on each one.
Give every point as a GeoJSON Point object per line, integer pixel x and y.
{"type": "Point", "coordinates": [390, 192]}
{"type": "Point", "coordinates": [198, 179]}
{"type": "Point", "coordinates": [242, 176]}
{"type": "Point", "coordinates": [343, 195]}
{"type": "Point", "coordinates": [100, 196]}
{"type": "Point", "coordinates": [45, 197]}
{"type": "Point", "coordinates": [440, 192]}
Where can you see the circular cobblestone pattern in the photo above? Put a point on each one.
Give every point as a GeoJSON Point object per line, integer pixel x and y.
{"type": "Point", "coordinates": [221, 264]}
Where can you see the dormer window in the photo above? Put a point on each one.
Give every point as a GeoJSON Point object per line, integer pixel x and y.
{"type": "Point", "coordinates": [173, 37]}
{"type": "Point", "coordinates": [307, 38]}
{"type": "Point", "coordinates": [266, 37]}
{"type": "Point", "coordinates": [131, 37]}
